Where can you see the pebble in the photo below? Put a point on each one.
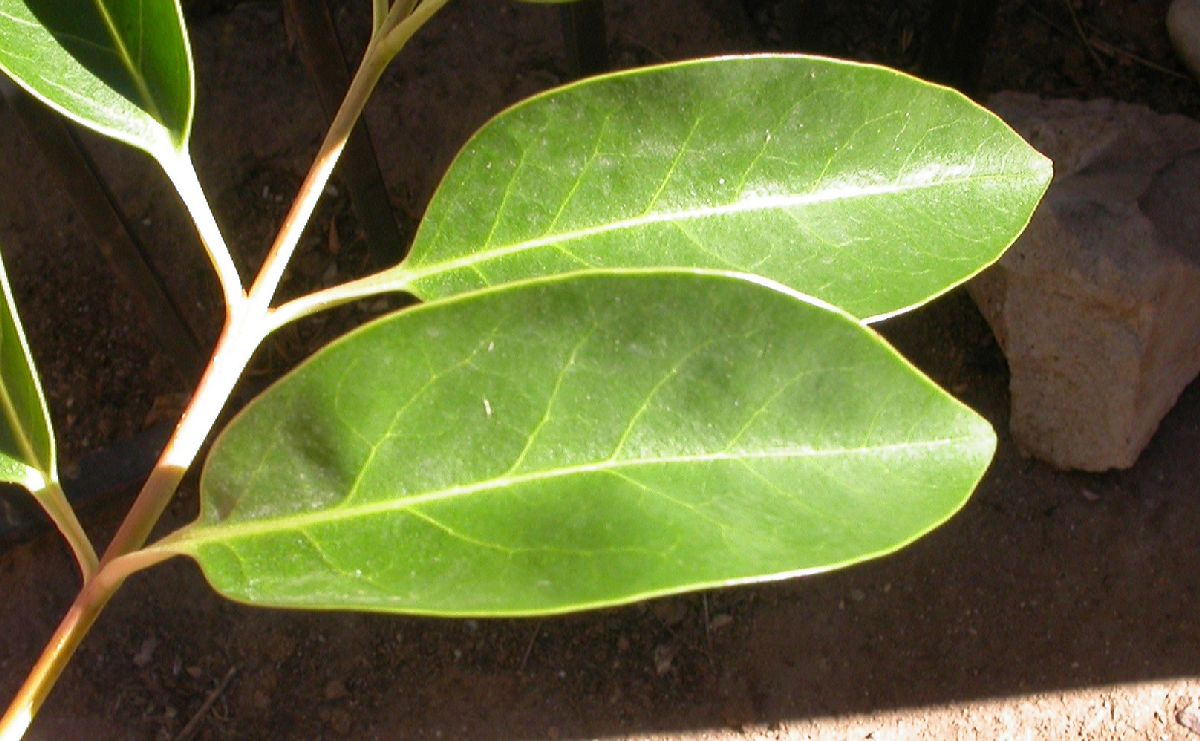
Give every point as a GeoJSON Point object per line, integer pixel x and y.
{"type": "Point", "coordinates": [336, 690]}
{"type": "Point", "coordinates": [1189, 718]}
{"type": "Point", "coordinates": [664, 656]}
{"type": "Point", "coordinates": [1183, 26]}
{"type": "Point", "coordinates": [670, 611]}
{"type": "Point", "coordinates": [340, 721]}
{"type": "Point", "coordinates": [146, 652]}
{"type": "Point", "coordinates": [720, 621]}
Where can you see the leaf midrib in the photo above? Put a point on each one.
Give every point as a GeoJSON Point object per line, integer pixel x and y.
{"type": "Point", "coordinates": [135, 73]}
{"type": "Point", "coordinates": [745, 205]}
{"type": "Point", "coordinates": [199, 533]}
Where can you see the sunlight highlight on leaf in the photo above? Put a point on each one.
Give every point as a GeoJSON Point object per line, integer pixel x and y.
{"type": "Point", "coordinates": [859, 185]}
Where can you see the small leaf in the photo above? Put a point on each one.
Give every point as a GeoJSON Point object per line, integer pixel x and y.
{"type": "Point", "coordinates": [859, 185]}
{"type": "Point", "coordinates": [27, 455]}
{"type": "Point", "coordinates": [566, 444]}
{"type": "Point", "coordinates": [121, 68]}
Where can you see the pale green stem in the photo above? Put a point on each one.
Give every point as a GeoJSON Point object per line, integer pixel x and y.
{"type": "Point", "coordinates": [375, 60]}
{"type": "Point", "coordinates": [55, 503]}
{"type": "Point", "coordinates": [235, 346]}
{"type": "Point", "coordinates": [182, 173]}
{"type": "Point", "coordinates": [398, 28]}
{"type": "Point", "coordinates": [401, 10]}
{"type": "Point", "coordinates": [406, 19]}
{"type": "Point", "coordinates": [297, 218]}
{"type": "Point", "coordinates": [392, 280]}
{"type": "Point", "coordinates": [74, 626]}
{"type": "Point", "coordinates": [243, 331]}
{"type": "Point", "coordinates": [379, 9]}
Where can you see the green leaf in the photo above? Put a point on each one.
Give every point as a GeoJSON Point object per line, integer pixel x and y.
{"type": "Point", "coordinates": [27, 455]}
{"type": "Point", "coordinates": [565, 444]}
{"type": "Point", "coordinates": [120, 67]}
{"type": "Point", "coordinates": [859, 185]}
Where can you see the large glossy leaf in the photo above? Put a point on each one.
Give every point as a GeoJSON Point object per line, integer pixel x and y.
{"type": "Point", "coordinates": [120, 67]}
{"type": "Point", "coordinates": [856, 184]}
{"type": "Point", "coordinates": [565, 444]}
{"type": "Point", "coordinates": [26, 444]}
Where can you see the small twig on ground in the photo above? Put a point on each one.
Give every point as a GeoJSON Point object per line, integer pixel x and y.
{"type": "Point", "coordinates": [1113, 50]}
{"type": "Point", "coordinates": [529, 649]}
{"type": "Point", "coordinates": [194, 724]}
{"type": "Point", "coordinates": [707, 622]}
{"type": "Point", "coordinates": [1107, 47]}
{"type": "Point", "coordinates": [707, 630]}
{"type": "Point", "coordinates": [1087, 44]}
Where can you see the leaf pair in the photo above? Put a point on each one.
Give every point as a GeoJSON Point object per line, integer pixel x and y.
{"type": "Point", "coordinates": [599, 403]}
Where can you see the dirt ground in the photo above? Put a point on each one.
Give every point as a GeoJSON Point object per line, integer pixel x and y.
{"type": "Point", "coordinates": [1055, 605]}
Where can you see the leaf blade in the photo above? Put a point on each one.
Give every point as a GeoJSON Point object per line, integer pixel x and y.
{"type": "Point", "coordinates": [719, 163]}
{"type": "Point", "coordinates": [27, 453]}
{"type": "Point", "coordinates": [563, 449]}
{"type": "Point", "coordinates": [28, 457]}
{"type": "Point", "coordinates": [122, 69]}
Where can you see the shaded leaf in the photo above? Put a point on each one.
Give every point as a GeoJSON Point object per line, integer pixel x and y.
{"type": "Point", "coordinates": [27, 453]}
{"type": "Point", "coordinates": [859, 185]}
{"type": "Point", "coordinates": [565, 444]}
{"type": "Point", "coordinates": [121, 68]}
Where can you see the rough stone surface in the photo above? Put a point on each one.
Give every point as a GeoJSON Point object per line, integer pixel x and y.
{"type": "Point", "coordinates": [1097, 305]}
{"type": "Point", "coordinates": [1183, 26]}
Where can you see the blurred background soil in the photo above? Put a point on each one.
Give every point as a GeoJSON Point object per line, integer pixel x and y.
{"type": "Point", "coordinates": [1055, 604]}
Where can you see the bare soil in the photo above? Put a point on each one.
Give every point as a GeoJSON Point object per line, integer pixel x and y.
{"type": "Point", "coordinates": [1056, 604]}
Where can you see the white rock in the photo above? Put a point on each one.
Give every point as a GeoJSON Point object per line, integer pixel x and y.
{"type": "Point", "coordinates": [1183, 26]}
{"type": "Point", "coordinates": [1097, 305]}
